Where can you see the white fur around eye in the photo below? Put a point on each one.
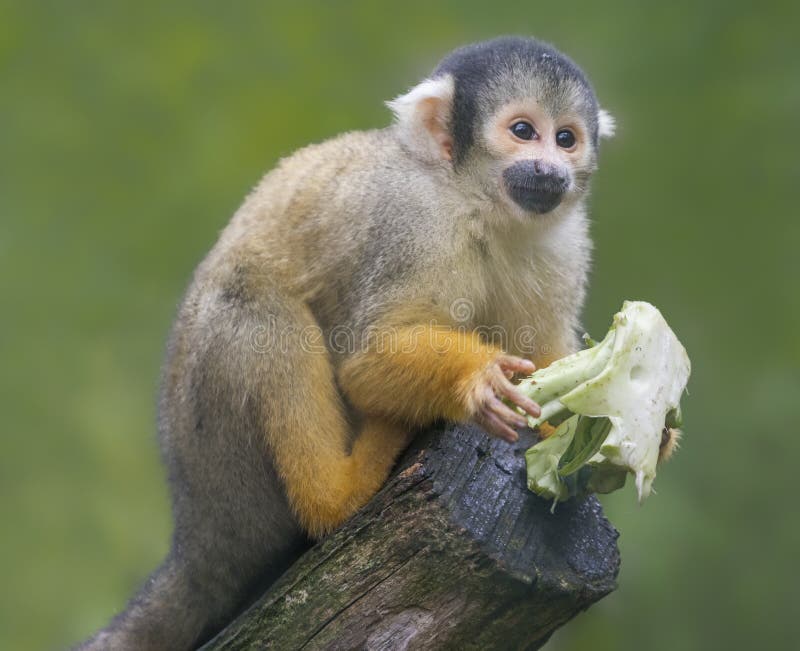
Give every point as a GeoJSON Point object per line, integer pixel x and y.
{"type": "Point", "coordinates": [606, 124]}
{"type": "Point", "coordinates": [422, 113]}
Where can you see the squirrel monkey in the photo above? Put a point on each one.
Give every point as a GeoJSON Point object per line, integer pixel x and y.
{"type": "Point", "coordinates": [452, 231]}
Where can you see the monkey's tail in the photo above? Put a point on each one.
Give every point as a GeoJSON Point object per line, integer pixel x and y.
{"type": "Point", "coordinates": [170, 612]}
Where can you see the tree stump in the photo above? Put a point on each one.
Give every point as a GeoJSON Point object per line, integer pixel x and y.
{"type": "Point", "coordinates": [453, 553]}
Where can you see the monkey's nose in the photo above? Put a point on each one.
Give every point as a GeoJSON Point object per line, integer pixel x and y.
{"type": "Point", "coordinates": [536, 185]}
{"type": "Point", "coordinates": [549, 173]}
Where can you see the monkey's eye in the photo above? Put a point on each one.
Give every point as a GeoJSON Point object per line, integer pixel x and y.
{"type": "Point", "coordinates": [523, 130]}
{"type": "Point", "coordinates": [565, 138]}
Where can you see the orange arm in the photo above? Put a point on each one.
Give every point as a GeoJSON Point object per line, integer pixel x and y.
{"type": "Point", "coordinates": [419, 373]}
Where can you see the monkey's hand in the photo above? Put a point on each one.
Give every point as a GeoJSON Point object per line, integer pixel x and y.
{"type": "Point", "coordinates": [487, 388]}
{"type": "Point", "coordinates": [437, 372]}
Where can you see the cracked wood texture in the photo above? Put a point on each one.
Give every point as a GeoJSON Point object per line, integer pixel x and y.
{"type": "Point", "coordinates": [452, 553]}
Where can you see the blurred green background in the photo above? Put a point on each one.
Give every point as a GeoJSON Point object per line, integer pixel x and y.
{"type": "Point", "coordinates": [129, 132]}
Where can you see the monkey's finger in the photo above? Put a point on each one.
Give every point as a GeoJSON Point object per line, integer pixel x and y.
{"type": "Point", "coordinates": [510, 392]}
{"type": "Point", "coordinates": [505, 413]}
{"type": "Point", "coordinates": [516, 364]}
{"type": "Point", "coordinates": [496, 427]}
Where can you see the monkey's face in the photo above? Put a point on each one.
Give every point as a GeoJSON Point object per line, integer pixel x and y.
{"type": "Point", "coordinates": [541, 160]}
{"type": "Point", "coordinates": [517, 120]}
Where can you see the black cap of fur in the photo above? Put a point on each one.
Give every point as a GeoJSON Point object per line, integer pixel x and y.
{"type": "Point", "coordinates": [477, 68]}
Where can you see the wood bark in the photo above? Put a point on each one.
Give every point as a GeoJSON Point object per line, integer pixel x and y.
{"type": "Point", "coordinates": [453, 553]}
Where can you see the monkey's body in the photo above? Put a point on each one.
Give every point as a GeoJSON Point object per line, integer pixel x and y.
{"type": "Point", "coordinates": [313, 229]}
{"type": "Point", "coordinates": [279, 417]}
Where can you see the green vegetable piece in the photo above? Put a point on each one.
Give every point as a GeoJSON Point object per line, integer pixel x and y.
{"type": "Point", "coordinates": [616, 397]}
{"type": "Point", "coordinates": [674, 418]}
{"type": "Point", "coordinates": [605, 478]}
{"type": "Point", "coordinates": [542, 460]}
{"type": "Point", "coordinates": [589, 436]}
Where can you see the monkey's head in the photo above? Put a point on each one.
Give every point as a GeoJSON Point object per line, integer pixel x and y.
{"type": "Point", "coordinates": [512, 117]}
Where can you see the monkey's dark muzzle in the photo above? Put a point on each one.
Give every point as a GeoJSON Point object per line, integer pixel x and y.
{"type": "Point", "coordinates": [536, 186]}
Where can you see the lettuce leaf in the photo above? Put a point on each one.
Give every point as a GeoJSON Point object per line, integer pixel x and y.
{"type": "Point", "coordinates": [614, 400]}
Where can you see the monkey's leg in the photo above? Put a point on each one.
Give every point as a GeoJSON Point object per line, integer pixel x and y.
{"type": "Point", "coordinates": [420, 373]}
{"type": "Point", "coordinates": [326, 490]}
{"type": "Point", "coordinates": [326, 478]}
{"type": "Point", "coordinates": [258, 448]}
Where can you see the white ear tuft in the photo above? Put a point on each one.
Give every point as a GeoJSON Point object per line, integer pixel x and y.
{"type": "Point", "coordinates": [422, 115]}
{"type": "Point", "coordinates": [404, 106]}
{"type": "Point", "coordinates": [606, 124]}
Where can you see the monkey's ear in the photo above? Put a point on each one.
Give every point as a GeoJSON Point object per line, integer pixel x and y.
{"type": "Point", "coordinates": [423, 116]}
{"type": "Point", "coordinates": [606, 124]}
